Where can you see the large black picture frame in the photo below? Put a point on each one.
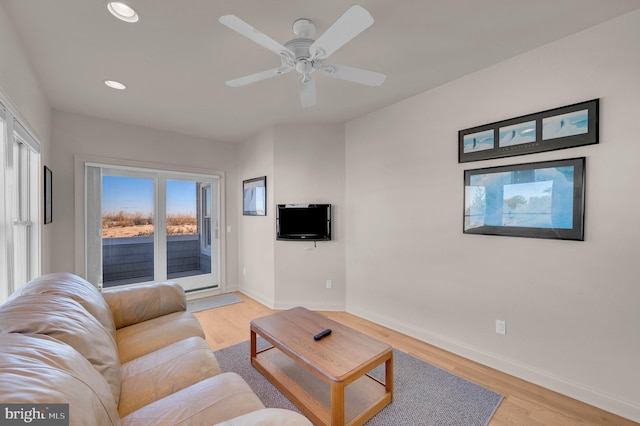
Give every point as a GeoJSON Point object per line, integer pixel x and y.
{"type": "Point", "coordinates": [559, 128]}
{"type": "Point", "coordinates": [535, 200]}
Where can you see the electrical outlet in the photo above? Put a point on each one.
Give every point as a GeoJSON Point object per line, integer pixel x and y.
{"type": "Point", "coordinates": [244, 271]}
{"type": "Point", "coordinates": [501, 327]}
{"type": "Point", "coordinates": [329, 283]}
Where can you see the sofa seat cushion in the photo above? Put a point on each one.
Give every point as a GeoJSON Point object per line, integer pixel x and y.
{"type": "Point", "coordinates": [73, 287]}
{"type": "Point", "coordinates": [207, 402]}
{"type": "Point", "coordinates": [148, 336]}
{"type": "Point", "coordinates": [38, 369]}
{"type": "Point", "coordinates": [66, 320]}
{"type": "Point", "coordinates": [158, 374]}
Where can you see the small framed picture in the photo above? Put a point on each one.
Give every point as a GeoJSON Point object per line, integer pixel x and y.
{"type": "Point", "coordinates": [48, 195]}
{"type": "Point", "coordinates": [254, 196]}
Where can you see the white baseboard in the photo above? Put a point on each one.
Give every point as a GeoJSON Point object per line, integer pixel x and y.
{"type": "Point", "coordinates": [270, 303]}
{"type": "Point", "coordinates": [257, 297]}
{"type": "Point", "coordinates": [621, 407]}
{"type": "Point", "coordinates": [311, 306]}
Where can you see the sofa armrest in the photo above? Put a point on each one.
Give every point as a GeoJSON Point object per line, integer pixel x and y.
{"type": "Point", "coordinates": [268, 417]}
{"type": "Point", "coordinates": [133, 305]}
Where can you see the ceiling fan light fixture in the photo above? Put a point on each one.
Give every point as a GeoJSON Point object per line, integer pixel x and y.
{"type": "Point", "coordinates": [115, 84]}
{"type": "Point", "coordinates": [122, 11]}
{"type": "Point", "coordinates": [304, 67]}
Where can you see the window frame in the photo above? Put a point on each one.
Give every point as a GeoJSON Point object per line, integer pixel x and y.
{"type": "Point", "coordinates": [21, 213]}
{"type": "Point", "coordinates": [80, 207]}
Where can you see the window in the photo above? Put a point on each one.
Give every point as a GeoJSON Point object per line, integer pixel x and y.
{"type": "Point", "coordinates": [205, 215]}
{"type": "Point", "coordinates": [21, 210]}
{"type": "Point", "coordinates": [147, 224]}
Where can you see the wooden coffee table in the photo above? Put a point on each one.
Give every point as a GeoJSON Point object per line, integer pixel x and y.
{"type": "Point", "coordinates": [326, 379]}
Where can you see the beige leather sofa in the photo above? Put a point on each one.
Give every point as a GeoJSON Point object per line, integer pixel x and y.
{"type": "Point", "coordinates": [130, 356]}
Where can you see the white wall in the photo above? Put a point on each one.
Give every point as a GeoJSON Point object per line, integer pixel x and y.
{"type": "Point", "coordinates": [256, 257]}
{"type": "Point", "coordinates": [303, 164]}
{"type": "Point", "coordinates": [571, 307]}
{"type": "Point", "coordinates": [21, 88]}
{"type": "Point", "coordinates": [310, 168]}
{"type": "Point", "coordinates": [19, 83]}
{"type": "Point", "coordinates": [75, 134]}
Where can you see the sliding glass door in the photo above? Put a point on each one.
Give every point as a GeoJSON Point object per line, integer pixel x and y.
{"type": "Point", "coordinates": [191, 229]}
{"type": "Point", "coordinates": [153, 226]}
{"type": "Point", "coordinates": [128, 229]}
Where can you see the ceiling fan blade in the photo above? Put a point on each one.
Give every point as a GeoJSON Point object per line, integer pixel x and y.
{"type": "Point", "coordinates": [356, 75]}
{"type": "Point", "coordinates": [307, 87]}
{"type": "Point", "coordinates": [263, 75]}
{"type": "Point", "coordinates": [355, 20]}
{"type": "Point", "coordinates": [254, 35]}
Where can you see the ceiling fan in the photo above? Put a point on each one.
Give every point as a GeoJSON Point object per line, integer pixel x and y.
{"type": "Point", "coordinates": [306, 55]}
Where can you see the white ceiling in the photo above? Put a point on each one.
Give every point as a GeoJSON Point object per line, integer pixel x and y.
{"type": "Point", "coordinates": [176, 60]}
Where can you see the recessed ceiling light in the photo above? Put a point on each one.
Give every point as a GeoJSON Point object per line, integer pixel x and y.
{"type": "Point", "coordinates": [122, 11]}
{"type": "Point", "coordinates": [115, 84]}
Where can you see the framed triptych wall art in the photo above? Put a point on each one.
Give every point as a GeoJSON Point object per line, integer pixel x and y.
{"type": "Point", "coordinates": [565, 127]}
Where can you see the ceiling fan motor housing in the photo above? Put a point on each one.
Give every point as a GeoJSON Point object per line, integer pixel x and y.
{"type": "Point", "coordinates": [300, 48]}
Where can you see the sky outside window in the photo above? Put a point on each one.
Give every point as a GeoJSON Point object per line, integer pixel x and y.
{"type": "Point", "coordinates": [135, 195]}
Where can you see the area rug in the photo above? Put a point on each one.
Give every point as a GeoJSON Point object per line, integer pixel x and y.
{"type": "Point", "coordinates": [203, 304]}
{"type": "Point", "coordinates": [423, 394]}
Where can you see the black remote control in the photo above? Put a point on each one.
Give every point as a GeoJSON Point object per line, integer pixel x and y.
{"type": "Point", "coordinates": [322, 334]}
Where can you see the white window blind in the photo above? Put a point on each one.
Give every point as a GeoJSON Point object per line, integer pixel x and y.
{"type": "Point", "coordinates": [93, 231]}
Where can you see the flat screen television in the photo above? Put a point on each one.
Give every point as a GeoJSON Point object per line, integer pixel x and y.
{"type": "Point", "coordinates": [303, 222]}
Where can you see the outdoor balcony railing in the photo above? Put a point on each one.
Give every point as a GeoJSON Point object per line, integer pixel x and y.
{"type": "Point", "coordinates": [130, 259]}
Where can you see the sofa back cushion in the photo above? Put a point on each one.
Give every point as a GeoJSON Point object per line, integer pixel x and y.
{"type": "Point", "coordinates": [74, 287]}
{"type": "Point", "coordinates": [134, 305]}
{"type": "Point", "coordinates": [67, 321]}
{"type": "Point", "coordinates": [37, 369]}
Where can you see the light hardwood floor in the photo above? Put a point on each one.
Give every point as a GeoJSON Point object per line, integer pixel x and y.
{"type": "Point", "coordinates": [523, 404]}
